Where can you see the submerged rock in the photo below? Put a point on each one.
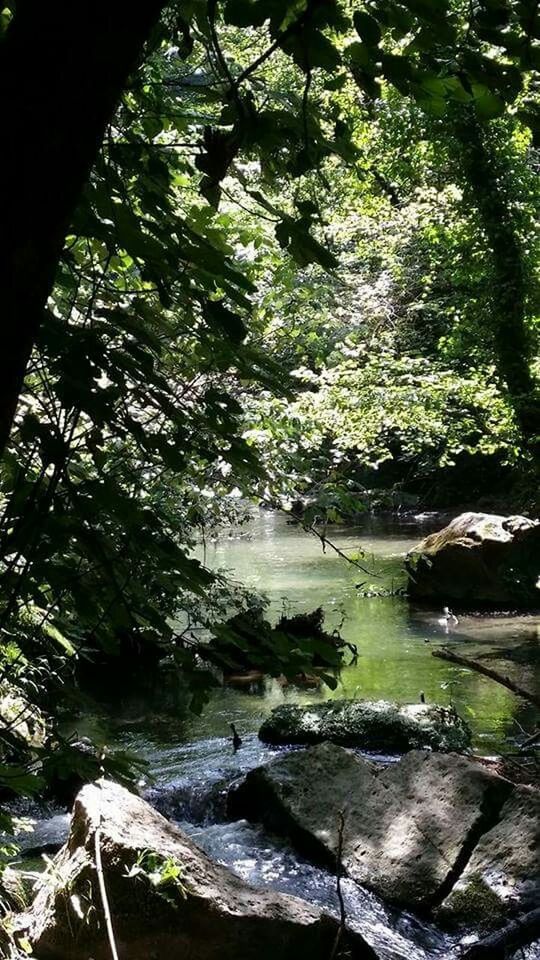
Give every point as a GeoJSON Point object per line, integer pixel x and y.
{"type": "Point", "coordinates": [166, 897]}
{"type": "Point", "coordinates": [431, 829]}
{"type": "Point", "coordinates": [479, 558]}
{"type": "Point", "coordinates": [371, 725]}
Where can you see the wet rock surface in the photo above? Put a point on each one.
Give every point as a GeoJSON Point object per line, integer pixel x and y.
{"type": "Point", "coordinates": [43, 836]}
{"type": "Point", "coordinates": [415, 831]}
{"type": "Point", "coordinates": [371, 725]}
{"type": "Point", "coordinates": [479, 558]}
{"type": "Point", "coordinates": [204, 912]}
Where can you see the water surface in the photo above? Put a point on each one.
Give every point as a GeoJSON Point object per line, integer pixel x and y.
{"type": "Point", "coordinates": [394, 638]}
{"type": "Point", "coordinates": [191, 758]}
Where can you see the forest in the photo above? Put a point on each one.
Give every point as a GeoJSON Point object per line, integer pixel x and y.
{"type": "Point", "coordinates": [269, 465]}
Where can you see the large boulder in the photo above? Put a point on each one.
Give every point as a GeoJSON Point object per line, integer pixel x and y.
{"type": "Point", "coordinates": [409, 828]}
{"type": "Point", "coordinates": [370, 725]}
{"type": "Point", "coordinates": [479, 558]}
{"type": "Point", "coordinates": [166, 897]}
{"type": "Point", "coordinates": [504, 868]}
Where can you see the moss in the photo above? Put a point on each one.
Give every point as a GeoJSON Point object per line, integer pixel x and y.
{"type": "Point", "coordinates": [477, 902]}
{"type": "Point", "coordinates": [380, 725]}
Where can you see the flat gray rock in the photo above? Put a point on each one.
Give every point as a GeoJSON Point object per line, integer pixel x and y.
{"type": "Point", "coordinates": [504, 869]}
{"type": "Point", "coordinates": [409, 827]}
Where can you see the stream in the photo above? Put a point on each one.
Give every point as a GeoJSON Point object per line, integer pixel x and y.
{"type": "Point", "coordinates": [191, 759]}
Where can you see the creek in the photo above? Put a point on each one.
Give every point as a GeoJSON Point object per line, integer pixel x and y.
{"type": "Point", "coordinates": [191, 758]}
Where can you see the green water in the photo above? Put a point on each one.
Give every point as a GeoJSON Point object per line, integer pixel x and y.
{"type": "Point", "coordinates": [191, 760]}
{"type": "Point", "coordinates": [395, 639]}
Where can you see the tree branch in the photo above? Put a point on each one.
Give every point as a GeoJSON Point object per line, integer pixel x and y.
{"type": "Point", "coordinates": [446, 654]}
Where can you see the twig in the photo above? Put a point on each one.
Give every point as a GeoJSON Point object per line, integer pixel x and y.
{"type": "Point", "coordinates": [326, 542]}
{"type": "Point", "coordinates": [278, 42]}
{"type": "Point", "coordinates": [446, 654]}
{"type": "Point", "coordinates": [342, 913]}
{"type": "Point", "coordinates": [103, 894]}
{"type": "Point", "coordinates": [534, 738]}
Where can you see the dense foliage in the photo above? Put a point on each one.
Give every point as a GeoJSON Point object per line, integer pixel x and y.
{"type": "Point", "coordinates": [285, 276]}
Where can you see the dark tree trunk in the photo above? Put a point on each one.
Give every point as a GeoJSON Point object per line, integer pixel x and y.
{"type": "Point", "coordinates": [485, 175]}
{"type": "Point", "coordinates": [63, 66]}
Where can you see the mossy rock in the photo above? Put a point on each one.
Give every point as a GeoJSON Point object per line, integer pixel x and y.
{"type": "Point", "coordinates": [370, 725]}
{"type": "Point", "coordinates": [478, 902]}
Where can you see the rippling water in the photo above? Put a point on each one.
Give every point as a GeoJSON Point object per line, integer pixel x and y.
{"type": "Point", "coordinates": [191, 758]}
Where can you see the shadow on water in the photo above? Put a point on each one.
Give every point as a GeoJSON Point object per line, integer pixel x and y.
{"type": "Point", "coordinates": [192, 760]}
{"type": "Point", "coordinates": [394, 638]}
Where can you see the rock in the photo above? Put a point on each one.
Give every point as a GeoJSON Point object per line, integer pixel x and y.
{"type": "Point", "coordinates": [371, 725]}
{"type": "Point", "coordinates": [202, 911]}
{"type": "Point", "coordinates": [409, 827]}
{"type": "Point", "coordinates": [17, 889]}
{"type": "Point", "coordinates": [479, 558]}
{"type": "Point", "coordinates": [503, 872]}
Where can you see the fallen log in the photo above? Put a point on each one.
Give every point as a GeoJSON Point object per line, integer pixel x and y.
{"type": "Point", "coordinates": [452, 657]}
{"type": "Point", "coordinates": [519, 933]}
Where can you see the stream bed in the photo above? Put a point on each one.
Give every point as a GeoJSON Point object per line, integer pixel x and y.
{"type": "Point", "coordinates": [191, 758]}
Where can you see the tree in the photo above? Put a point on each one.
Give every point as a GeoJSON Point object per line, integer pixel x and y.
{"type": "Point", "coordinates": [489, 185]}
{"type": "Point", "coordinates": [63, 67]}
{"type": "Point", "coordinates": [130, 413]}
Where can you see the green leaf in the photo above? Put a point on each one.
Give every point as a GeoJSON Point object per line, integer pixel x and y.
{"type": "Point", "coordinates": [59, 638]}
{"type": "Point", "coordinates": [336, 83]}
{"type": "Point", "coordinates": [312, 49]}
{"type": "Point", "coordinates": [294, 236]}
{"type": "Point", "coordinates": [250, 13]}
{"type": "Point", "coordinates": [217, 315]}
{"type": "Point", "coordinates": [367, 28]}
{"type": "Point", "coordinates": [488, 105]}
{"type": "Point", "coordinates": [360, 55]}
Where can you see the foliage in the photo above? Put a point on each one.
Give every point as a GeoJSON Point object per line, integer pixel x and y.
{"type": "Point", "coordinates": [272, 280]}
{"type": "Point", "coordinates": [371, 408]}
{"type": "Point", "coordinates": [165, 874]}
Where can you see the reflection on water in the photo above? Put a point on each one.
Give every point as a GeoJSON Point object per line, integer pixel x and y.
{"type": "Point", "coordinates": [394, 639]}
{"type": "Point", "coordinates": [192, 759]}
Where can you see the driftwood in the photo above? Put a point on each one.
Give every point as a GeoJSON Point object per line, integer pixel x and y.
{"type": "Point", "coordinates": [496, 946]}
{"type": "Point", "coordinates": [446, 654]}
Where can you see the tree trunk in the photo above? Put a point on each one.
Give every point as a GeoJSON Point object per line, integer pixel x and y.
{"type": "Point", "coordinates": [485, 174]}
{"type": "Point", "coordinates": [63, 66]}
